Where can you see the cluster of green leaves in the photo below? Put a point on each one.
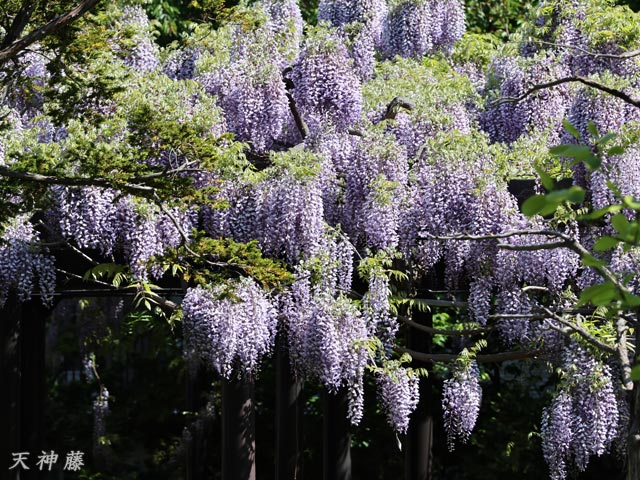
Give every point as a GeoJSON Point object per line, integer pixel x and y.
{"type": "Point", "coordinates": [208, 260]}
{"type": "Point", "coordinates": [498, 17]}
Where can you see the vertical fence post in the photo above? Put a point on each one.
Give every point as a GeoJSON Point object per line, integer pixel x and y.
{"type": "Point", "coordinates": [32, 381]}
{"type": "Point", "coordinates": [336, 437]}
{"type": "Point", "coordinates": [288, 420]}
{"type": "Point", "coordinates": [10, 316]}
{"type": "Point", "coordinates": [419, 448]}
{"type": "Point", "coordinates": [238, 429]}
{"type": "Point", "coordinates": [196, 464]}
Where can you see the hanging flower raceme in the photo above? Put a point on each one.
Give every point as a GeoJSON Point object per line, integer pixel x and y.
{"type": "Point", "coordinates": [230, 327]}
{"type": "Point", "coordinates": [326, 86]}
{"type": "Point", "coordinates": [398, 389]}
{"type": "Point", "coordinates": [461, 397]}
{"type": "Point", "coordinates": [23, 261]}
{"type": "Point", "coordinates": [417, 27]}
{"type": "Point", "coordinates": [584, 418]}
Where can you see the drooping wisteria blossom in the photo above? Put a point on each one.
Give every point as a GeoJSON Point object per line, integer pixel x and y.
{"type": "Point", "coordinates": [230, 327]}
{"type": "Point", "coordinates": [583, 420]}
{"type": "Point", "coordinates": [25, 264]}
{"type": "Point", "coordinates": [399, 392]}
{"type": "Point", "coordinates": [416, 27]}
{"type": "Point", "coordinates": [326, 86]}
{"type": "Point", "coordinates": [461, 396]}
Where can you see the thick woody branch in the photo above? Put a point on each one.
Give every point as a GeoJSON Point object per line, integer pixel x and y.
{"type": "Point", "coordinates": [19, 23]}
{"type": "Point", "coordinates": [53, 26]}
{"type": "Point", "coordinates": [297, 116]}
{"type": "Point", "coordinates": [487, 358]}
{"type": "Point", "coordinates": [437, 331]}
{"type": "Point", "coordinates": [394, 107]}
{"type": "Point", "coordinates": [575, 79]}
{"type": "Point", "coordinates": [73, 181]}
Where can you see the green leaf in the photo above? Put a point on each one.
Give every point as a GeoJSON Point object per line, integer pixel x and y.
{"type": "Point", "coordinates": [605, 243]}
{"type": "Point", "coordinates": [597, 214]}
{"type": "Point", "coordinates": [593, 130]}
{"type": "Point", "coordinates": [620, 223]}
{"type": "Point", "coordinates": [617, 150]}
{"type": "Point", "coordinates": [601, 294]}
{"type": "Point", "coordinates": [606, 138]}
{"type": "Point", "coordinates": [592, 161]}
{"type": "Point", "coordinates": [632, 300]}
{"type": "Point", "coordinates": [545, 178]}
{"type": "Point", "coordinates": [568, 126]}
{"type": "Point", "coordinates": [573, 194]}
{"type": "Point", "coordinates": [630, 202]}
{"type": "Point", "coordinates": [635, 373]}
{"type": "Point", "coordinates": [534, 204]}
{"type": "Point", "coordinates": [591, 261]}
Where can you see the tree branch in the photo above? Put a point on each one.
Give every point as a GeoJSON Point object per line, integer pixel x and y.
{"type": "Point", "coordinates": [487, 358]}
{"type": "Point", "coordinates": [73, 181]}
{"type": "Point", "coordinates": [580, 331]}
{"type": "Point", "coordinates": [575, 79]}
{"type": "Point", "coordinates": [618, 56]}
{"type": "Point", "coordinates": [436, 331]}
{"type": "Point", "coordinates": [297, 116]}
{"type": "Point", "coordinates": [394, 107]}
{"type": "Point", "coordinates": [19, 23]}
{"type": "Point", "coordinates": [54, 25]}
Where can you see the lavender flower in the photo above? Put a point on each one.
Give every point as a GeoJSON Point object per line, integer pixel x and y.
{"type": "Point", "coordinates": [461, 397]}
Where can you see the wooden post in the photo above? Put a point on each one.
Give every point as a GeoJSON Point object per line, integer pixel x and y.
{"type": "Point", "coordinates": [336, 437]}
{"type": "Point", "coordinates": [10, 317]}
{"type": "Point", "coordinates": [32, 382]}
{"type": "Point", "coordinates": [196, 464]}
{"type": "Point", "coordinates": [238, 429]}
{"type": "Point", "coordinates": [419, 440]}
{"type": "Point", "coordinates": [288, 418]}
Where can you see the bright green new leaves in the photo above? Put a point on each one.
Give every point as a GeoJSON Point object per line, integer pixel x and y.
{"type": "Point", "coordinates": [547, 204]}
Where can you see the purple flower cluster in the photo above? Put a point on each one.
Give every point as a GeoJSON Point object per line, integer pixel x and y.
{"type": "Point", "coordinates": [229, 327]}
{"type": "Point", "coordinates": [324, 327]}
{"type": "Point", "coordinates": [284, 214]}
{"type": "Point", "coordinates": [584, 418]}
{"type": "Point", "coordinates": [461, 397]}
{"type": "Point", "coordinates": [100, 219]}
{"type": "Point", "coordinates": [326, 86]}
{"type": "Point", "coordinates": [22, 261]}
{"type": "Point", "coordinates": [540, 111]}
{"type": "Point", "coordinates": [255, 104]}
{"type": "Point", "coordinates": [144, 55]}
{"type": "Point", "coordinates": [399, 392]}
{"type": "Point", "coordinates": [375, 179]}
{"type": "Point", "coordinates": [417, 27]}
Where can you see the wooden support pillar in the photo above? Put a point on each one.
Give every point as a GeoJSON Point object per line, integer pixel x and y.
{"type": "Point", "coordinates": [288, 418]}
{"type": "Point", "coordinates": [10, 316]}
{"type": "Point", "coordinates": [32, 381]}
{"type": "Point", "coordinates": [238, 429]}
{"type": "Point", "coordinates": [22, 377]}
{"type": "Point", "coordinates": [336, 437]}
{"type": "Point", "coordinates": [419, 441]}
{"type": "Point", "coordinates": [196, 458]}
